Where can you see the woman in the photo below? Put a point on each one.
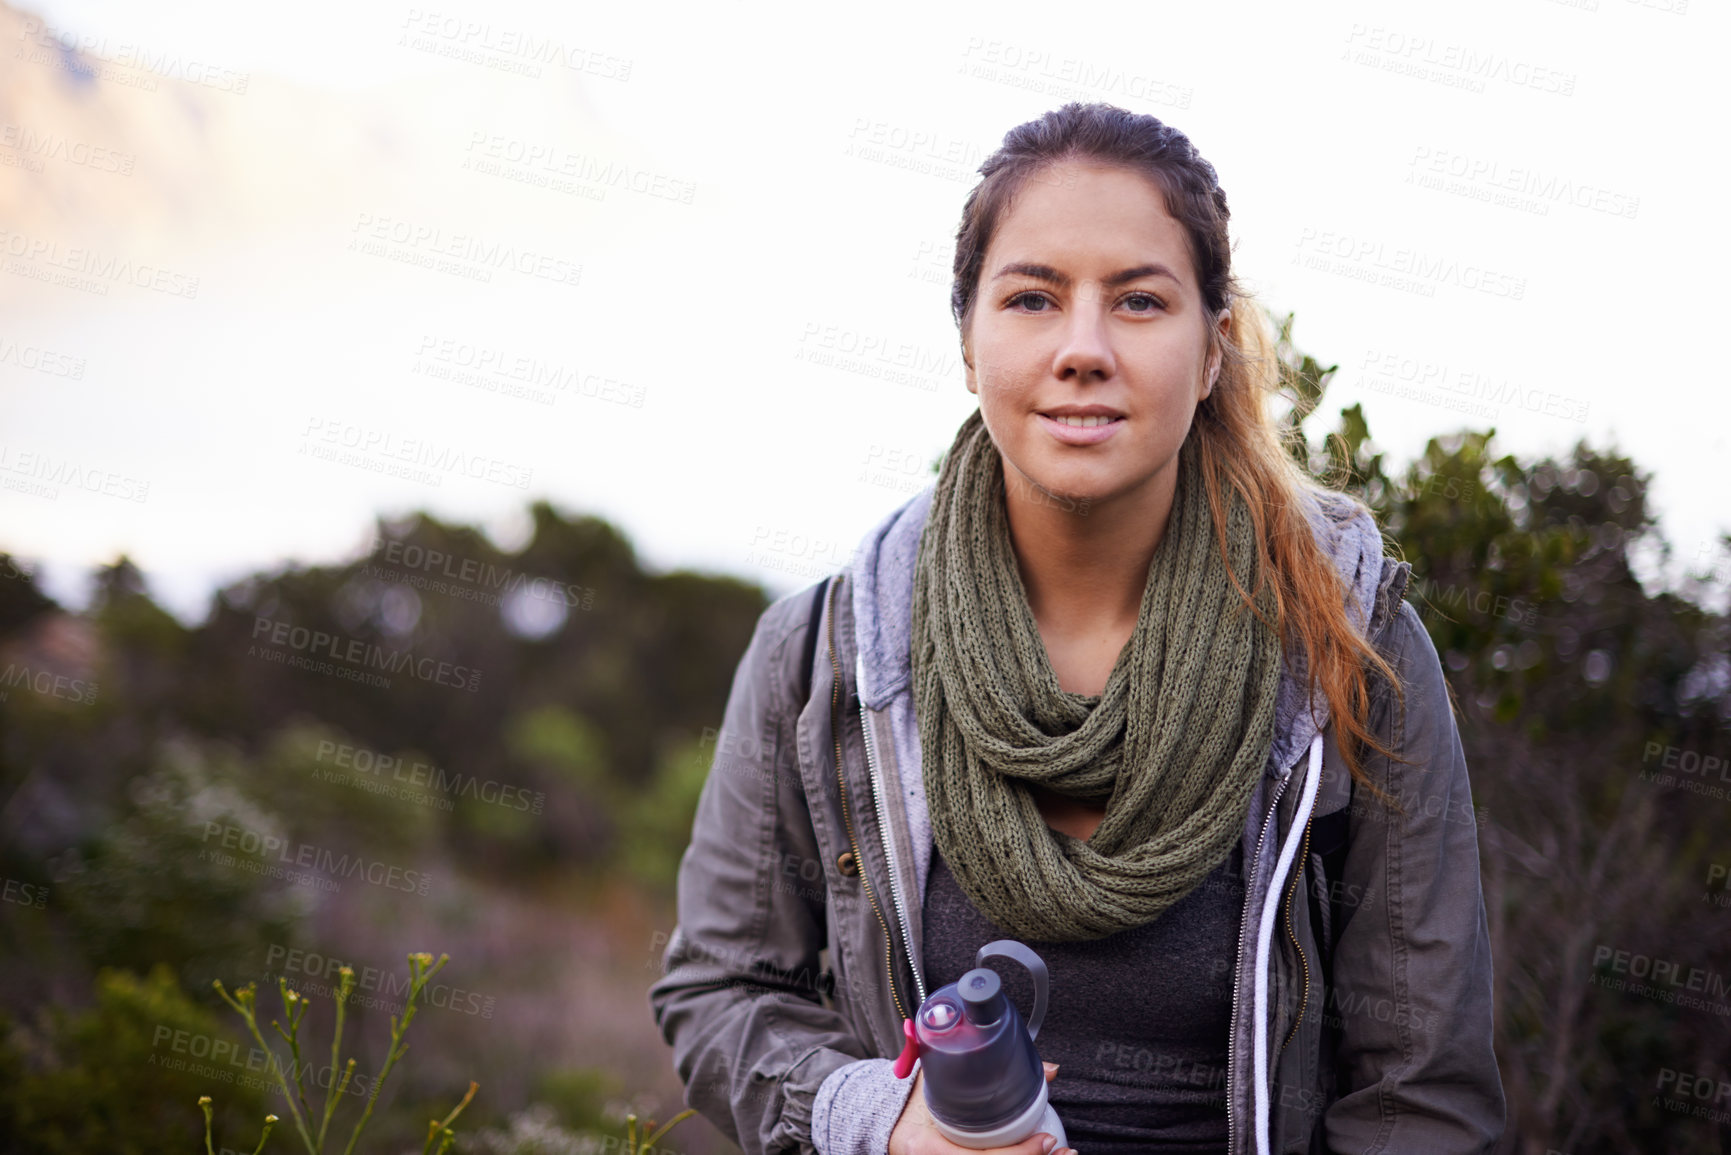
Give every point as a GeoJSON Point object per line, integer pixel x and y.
{"type": "Point", "coordinates": [1125, 685]}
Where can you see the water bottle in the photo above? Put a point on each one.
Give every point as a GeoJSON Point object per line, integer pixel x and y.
{"type": "Point", "coordinates": [984, 1084]}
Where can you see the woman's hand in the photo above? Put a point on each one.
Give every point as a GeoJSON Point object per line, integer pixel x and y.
{"type": "Point", "coordinates": [914, 1133]}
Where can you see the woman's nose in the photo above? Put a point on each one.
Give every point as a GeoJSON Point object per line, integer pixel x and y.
{"type": "Point", "coordinates": [1086, 352]}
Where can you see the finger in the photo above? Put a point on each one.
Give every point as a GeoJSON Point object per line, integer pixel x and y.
{"type": "Point", "coordinates": [1051, 1071]}
{"type": "Point", "coordinates": [1039, 1143]}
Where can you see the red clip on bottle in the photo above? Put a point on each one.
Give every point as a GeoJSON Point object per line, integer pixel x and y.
{"type": "Point", "coordinates": [984, 1084]}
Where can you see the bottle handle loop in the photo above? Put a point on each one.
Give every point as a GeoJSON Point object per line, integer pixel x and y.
{"type": "Point", "coordinates": [1011, 949]}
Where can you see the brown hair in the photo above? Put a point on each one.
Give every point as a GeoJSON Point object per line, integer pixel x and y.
{"type": "Point", "coordinates": [1237, 440]}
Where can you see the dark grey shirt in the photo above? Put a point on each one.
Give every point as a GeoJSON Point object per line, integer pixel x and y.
{"type": "Point", "coordinates": [1137, 1021]}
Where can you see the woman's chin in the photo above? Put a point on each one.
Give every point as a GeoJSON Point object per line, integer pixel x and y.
{"type": "Point", "coordinates": [1073, 495]}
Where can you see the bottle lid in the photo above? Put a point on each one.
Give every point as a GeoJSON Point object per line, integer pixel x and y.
{"type": "Point", "coordinates": [982, 994]}
{"type": "Point", "coordinates": [981, 1068]}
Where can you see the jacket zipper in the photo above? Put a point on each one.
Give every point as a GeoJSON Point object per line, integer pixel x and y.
{"type": "Point", "coordinates": [889, 845]}
{"type": "Point", "coordinates": [1304, 960]}
{"type": "Point", "coordinates": [847, 820]}
{"type": "Point", "coordinates": [1237, 971]}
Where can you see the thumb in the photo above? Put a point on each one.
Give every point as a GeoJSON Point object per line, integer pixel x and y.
{"type": "Point", "coordinates": [1051, 1071]}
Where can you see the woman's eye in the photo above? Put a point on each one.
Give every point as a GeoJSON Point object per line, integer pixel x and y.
{"type": "Point", "coordinates": [1030, 299]}
{"type": "Point", "coordinates": [1148, 303]}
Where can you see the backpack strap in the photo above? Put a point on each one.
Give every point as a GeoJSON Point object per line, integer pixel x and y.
{"type": "Point", "coordinates": [805, 667]}
{"type": "Point", "coordinates": [1330, 837]}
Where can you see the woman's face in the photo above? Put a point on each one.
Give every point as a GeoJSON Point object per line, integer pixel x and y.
{"type": "Point", "coordinates": [1088, 337]}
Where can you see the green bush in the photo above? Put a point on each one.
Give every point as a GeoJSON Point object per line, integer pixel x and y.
{"type": "Point", "coordinates": [579, 1096]}
{"type": "Point", "coordinates": [124, 1077]}
{"type": "Point", "coordinates": [150, 887]}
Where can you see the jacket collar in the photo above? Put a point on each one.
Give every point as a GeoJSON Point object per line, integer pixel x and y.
{"type": "Point", "coordinates": [883, 582]}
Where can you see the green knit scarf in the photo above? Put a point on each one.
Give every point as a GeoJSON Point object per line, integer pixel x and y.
{"type": "Point", "coordinates": [1172, 746]}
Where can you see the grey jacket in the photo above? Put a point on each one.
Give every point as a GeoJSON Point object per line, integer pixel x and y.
{"type": "Point", "coordinates": [1361, 990]}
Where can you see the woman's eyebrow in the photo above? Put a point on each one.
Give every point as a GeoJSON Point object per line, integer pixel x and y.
{"type": "Point", "coordinates": [1062, 280]}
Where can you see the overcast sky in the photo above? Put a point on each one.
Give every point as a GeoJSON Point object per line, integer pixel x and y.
{"type": "Point", "coordinates": [1502, 214]}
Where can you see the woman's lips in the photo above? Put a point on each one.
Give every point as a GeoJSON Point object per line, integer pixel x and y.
{"type": "Point", "coordinates": [1080, 434]}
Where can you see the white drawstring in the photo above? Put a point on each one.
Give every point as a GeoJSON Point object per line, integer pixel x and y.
{"type": "Point", "coordinates": [1265, 935]}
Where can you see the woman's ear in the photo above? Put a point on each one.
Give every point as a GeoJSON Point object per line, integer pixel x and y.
{"type": "Point", "coordinates": [1217, 347]}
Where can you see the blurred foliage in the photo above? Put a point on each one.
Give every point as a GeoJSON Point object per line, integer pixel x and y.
{"type": "Point", "coordinates": [123, 1077]}
{"type": "Point", "coordinates": [127, 815]}
{"type": "Point", "coordinates": [655, 825]}
{"type": "Point", "coordinates": [577, 1112]}
{"type": "Point", "coordinates": [144, 890]}
{"type": "Point", "coordinates": [1567, 676]}
{"type": "Point", "coordinates": [579, 1096]}
{"type": "Point", "coordinates": [575, 763]}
